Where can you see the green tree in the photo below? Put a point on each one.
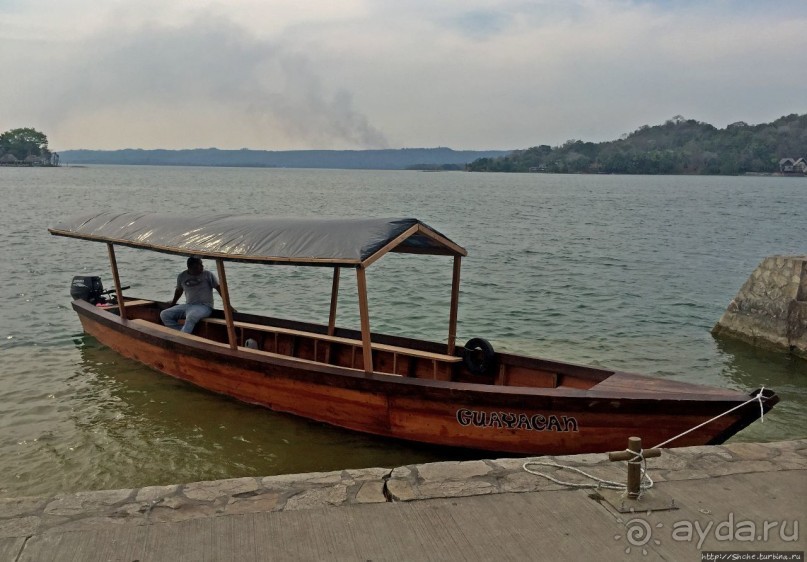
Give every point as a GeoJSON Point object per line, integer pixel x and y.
{"type": "Point", "coordinates": [678, 146]}
{"type": "Point", "coordinates": [24, 142]}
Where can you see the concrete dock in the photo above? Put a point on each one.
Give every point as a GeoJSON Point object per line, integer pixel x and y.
{"type": "Point", "coordinates": [742, 497]}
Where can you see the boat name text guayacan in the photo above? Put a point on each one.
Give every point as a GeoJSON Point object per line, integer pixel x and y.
{"type": "Point", "coordinates": [513, 420]}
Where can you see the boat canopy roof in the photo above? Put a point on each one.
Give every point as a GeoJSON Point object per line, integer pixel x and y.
{"type": "Point", "coordinates": [342, 242]}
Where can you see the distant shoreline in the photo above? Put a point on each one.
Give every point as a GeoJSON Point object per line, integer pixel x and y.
{"type": "Point", "coordinates": [384, 159]}
{"type": "Point", "coordinates": [409, 168]}
{"type": "Point", "coordinates": [27, 165]}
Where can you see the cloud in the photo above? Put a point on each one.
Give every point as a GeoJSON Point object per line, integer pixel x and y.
{"type": "Point", "coordinates": [480, 24]}
{"type": "Point", "coordinates": [192, 74]}
{"type": "Point", "coordinates": [370, 74]}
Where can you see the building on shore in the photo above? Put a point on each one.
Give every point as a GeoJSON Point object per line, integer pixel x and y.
{"type": "Point", "coordinates": [793, 166]}
{"type": "Point", "coordinates": [47, 159]}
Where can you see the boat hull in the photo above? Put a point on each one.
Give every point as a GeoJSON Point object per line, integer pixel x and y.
{"type": "Point", "coordinates": [505, 419]}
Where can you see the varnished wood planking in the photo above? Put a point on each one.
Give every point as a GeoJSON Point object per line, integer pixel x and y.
{"type": "Point", "coordinates": [434, 422]}
{"type": "Point", "coordinates": [338, 406]}
{"type": "Point", "coordinates": [408, 408]}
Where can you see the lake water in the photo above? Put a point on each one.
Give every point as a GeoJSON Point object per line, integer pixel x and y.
{"type": "Point", "coordinates": [619, 271]}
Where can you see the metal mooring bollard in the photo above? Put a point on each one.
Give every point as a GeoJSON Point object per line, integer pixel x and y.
{"type": "Point", "coordinates": [634, 464]}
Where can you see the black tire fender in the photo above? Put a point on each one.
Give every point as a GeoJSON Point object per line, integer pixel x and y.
{"type": "Point", "coordinates": [479, 356]}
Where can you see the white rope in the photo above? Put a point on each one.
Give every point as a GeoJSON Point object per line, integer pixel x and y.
{"type": "Point", "coordinates": [758, 396]}
{"type": "Point", "coordinates": [645, 483]}
{"type": "Point", "coordinates": [611, 485]}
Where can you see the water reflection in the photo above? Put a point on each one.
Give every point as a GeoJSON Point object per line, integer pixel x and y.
{"type": "Point", "coordinates": [749, 367]}
{"type": "Point", "coordinates": [159, 430]}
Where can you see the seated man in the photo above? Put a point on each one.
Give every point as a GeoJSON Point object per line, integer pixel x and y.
{"type": "Point", "coordinates": [198, 285]}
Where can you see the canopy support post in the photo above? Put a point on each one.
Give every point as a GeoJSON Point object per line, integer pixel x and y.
{"type": "Point", "coordinates": [334, 295]}
{"type": "Point", "coordinates": [228, 311]}
{"type": "Point", "coordinates": [118, 291]}
{"type": "Point", "coordinates": [455, 299]}
{"type": "Point", "coordinates": [365, 320]}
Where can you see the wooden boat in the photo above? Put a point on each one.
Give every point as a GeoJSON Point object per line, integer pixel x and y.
{"type": "Point", "coordinates": [438, 393]}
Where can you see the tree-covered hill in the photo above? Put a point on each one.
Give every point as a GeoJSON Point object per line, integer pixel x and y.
{"type": "Point", "coordinates": [679, 146]}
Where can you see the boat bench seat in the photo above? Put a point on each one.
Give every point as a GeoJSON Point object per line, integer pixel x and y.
{"type": "Point", "coordinates": [167, 330]}
{"type": "Point", "coordinates": [207, 341]}
{"type": "Point", "coordinates": [127, 304]}
{"type": "Point", "coordinates": [395, 350]}
{"type": "Point", "coordinates": [138, 302]}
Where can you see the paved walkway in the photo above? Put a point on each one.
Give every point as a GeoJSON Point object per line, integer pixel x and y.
{"type": "Point", "coordinates": [740, 497]}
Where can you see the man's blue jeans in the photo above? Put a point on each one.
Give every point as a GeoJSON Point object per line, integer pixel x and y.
{"type": "Point", "coordinates": [192, 313]}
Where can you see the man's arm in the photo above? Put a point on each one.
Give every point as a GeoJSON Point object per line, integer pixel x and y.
{"type": "Point", "coordinates": [177, 293]}
{"type": "Point", "coordinates": [218, 288]}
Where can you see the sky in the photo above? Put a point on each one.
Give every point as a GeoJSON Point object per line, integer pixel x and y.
{"type": "Point", "coordinates": [371, 74]}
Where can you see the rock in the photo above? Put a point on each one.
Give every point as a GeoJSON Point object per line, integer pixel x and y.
{"type": "Point", "coordinates": [317, 497]}
{"type": "Point", "coordinates": [770, 309]}
{"type": "Point", "coordinates": [155, 493]}
{"type": "Point", "coordinates": [453, 470]}
{"type": "Point", "coordinates": [84, 502]}
{"type": "Point", "coordinates": [371, 492]}
{"type": "Point", "coordinates": [401, 490]}
{"type": "Point", "coordinates": [209, 491]}
{"type": "Point", "coordinates": [268, 501]}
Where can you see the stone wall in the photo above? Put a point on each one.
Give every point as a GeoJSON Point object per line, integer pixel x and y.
{"type": "Point", "coordinates": [771, 308]}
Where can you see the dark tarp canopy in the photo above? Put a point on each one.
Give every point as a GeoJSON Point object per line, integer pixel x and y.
{"type": "Point", "coordinates": [346, 242]}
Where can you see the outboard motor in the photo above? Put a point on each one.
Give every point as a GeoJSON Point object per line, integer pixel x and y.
{"type": "Point", "coordinates": [88, 289]}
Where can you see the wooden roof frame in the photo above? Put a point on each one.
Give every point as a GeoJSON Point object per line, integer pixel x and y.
{"type": "Point", "coordinates": [447, 247]}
